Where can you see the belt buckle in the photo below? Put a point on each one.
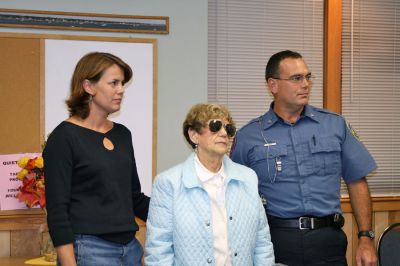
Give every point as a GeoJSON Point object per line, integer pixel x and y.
{"type": "Point", "coordinates": [301, 219]}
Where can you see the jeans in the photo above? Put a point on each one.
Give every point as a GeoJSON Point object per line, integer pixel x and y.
{"type": "Point", "coordinates": [94, 251]}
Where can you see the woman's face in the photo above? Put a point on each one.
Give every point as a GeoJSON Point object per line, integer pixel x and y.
{"type": "Point", "coordinates": [108, 91]}
{"type": "Point", "coordinates": [212, 144]}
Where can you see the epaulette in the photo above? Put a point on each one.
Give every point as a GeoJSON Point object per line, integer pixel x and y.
{"type": "Point", "coordinates": [254, 120]}
{"type": "Point", "coordinates": [325, 111]}
{"type": "Point", "coordinates": [352, 130]}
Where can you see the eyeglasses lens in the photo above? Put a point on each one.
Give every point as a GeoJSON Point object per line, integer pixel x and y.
{"type": "Point", "coordinates": [230, 130]}
{"type": "Point", "coordinates": [215, 126]}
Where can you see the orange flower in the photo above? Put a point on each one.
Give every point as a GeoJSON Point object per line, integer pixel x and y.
{"type": "Point", "coordinates": [32, 191]}
{"type": "Point", "coordinates": [30, 165]}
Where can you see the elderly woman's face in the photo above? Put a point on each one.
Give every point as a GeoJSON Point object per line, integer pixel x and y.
{"type": "Point", "coordinates": [214, 138]}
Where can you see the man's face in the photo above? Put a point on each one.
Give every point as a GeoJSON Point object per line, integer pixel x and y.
{"type": "Point", "coordinates": [291, 89]}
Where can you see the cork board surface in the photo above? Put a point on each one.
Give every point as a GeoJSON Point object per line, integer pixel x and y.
{"type": "Point", "coordinates": [20, 95]}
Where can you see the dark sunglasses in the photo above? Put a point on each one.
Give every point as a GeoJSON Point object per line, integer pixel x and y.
{"type": "Point", "coordinates": [216, 125]}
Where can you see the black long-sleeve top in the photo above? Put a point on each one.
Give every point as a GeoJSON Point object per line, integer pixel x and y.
{"type": "Point", "coordinates": [90, 189]}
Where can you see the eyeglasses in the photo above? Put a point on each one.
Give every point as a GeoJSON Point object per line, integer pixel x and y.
{"type": "Point", "coordinates": [216, 125]}
{"type": "Point", "coordinates": [299, 78]}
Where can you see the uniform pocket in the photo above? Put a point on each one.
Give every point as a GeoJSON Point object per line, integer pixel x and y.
{"type": "Point", "coordinates": [263, 152]}
{"type": "Point", "coordinates": [266, 160]}
{"type": "Point", "coordinates": [326, 152]}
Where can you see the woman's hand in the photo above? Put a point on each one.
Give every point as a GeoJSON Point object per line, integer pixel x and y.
{"type": "Point", "coordinates": [65, 255]}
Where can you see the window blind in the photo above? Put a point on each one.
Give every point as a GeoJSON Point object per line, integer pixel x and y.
{"type": "Point", "coordinates": [242, 35]}
{"type": "Point", "coordinates": [370, 85]}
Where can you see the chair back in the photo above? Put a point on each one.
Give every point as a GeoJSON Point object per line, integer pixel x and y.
{"type": "Point", "coordinates": [389, 246]}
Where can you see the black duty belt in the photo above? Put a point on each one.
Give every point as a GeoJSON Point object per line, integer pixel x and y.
{"type": "Point", "coordinates": [305, 222]}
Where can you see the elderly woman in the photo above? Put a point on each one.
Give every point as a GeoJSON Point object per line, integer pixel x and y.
{"type": "Point", "coordinates": [206, 211]}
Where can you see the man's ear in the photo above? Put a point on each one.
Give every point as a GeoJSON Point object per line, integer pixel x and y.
{"type": "Point", "coordinates": [193, 135]}
{"type": "Point", "coordinates": [88, 87]}
{"type": "Point", "coordinates": [272, 85]}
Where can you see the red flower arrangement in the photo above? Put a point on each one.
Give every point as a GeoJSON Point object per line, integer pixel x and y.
{"type": "Point", "coordinates": [32, 191]}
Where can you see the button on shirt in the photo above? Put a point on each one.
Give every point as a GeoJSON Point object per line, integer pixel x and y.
{"type": "Point", "coordinates": [214, 184]}
{"type": "Point", "coordinates": [313, 154]}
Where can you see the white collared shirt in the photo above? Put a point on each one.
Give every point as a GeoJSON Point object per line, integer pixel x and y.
{"type": "Point", "coordinates": [214, 184]}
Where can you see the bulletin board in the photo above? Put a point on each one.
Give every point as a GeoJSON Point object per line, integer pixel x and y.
{"type": "Point", "coordinates": [36, 72]}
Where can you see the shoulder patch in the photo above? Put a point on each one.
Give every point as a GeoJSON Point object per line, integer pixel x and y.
{"type": "Point", "coordinates": [353, 131]}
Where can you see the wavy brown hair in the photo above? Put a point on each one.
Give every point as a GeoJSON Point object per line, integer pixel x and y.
{"type": "Point", "coordinates": [91, 67]}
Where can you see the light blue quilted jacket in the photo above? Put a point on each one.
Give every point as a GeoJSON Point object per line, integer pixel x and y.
{"type": "Point", "coordinates": [179, 228]}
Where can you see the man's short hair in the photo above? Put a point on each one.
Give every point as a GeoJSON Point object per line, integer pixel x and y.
{"type": "Point", "coordinates": [272, 68]}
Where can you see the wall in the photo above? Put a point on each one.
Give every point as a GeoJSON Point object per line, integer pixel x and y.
{"type": "Point", "coordinates": [182, 58]}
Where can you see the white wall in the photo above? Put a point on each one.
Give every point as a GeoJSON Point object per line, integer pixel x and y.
{"type": "Point", "coordinates": [182, 57]}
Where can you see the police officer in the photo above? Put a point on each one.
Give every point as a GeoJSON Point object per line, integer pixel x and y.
{"type": "Point", "coordinates": [300, 152]}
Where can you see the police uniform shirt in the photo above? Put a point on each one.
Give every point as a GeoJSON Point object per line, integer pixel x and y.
{"type": "Point", "coordinates": [299, 165]}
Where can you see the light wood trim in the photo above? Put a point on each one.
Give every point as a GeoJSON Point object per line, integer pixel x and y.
{"type": "Point", "coordinates": [23, 221]}
{"type": "Point", "coordinates": [332, 55]}
{"type": "Point", "coordinates": [381, 222]}
{"type": "Point", "coordinates": [75, 37]}
{"type": "Point", "coordinates": [378, 204]}
{"type": "Point", "coordinates": [394, 217]}
{"type": "Point", "coordinates": [42, 132]}
{"type": "Point", "coordinates": [16, 261]}
{"type": "Point", "coordinates": [354, 237]}
{"type": "Point", "coordinates": [348, 229]}
{"type": "Point", "coordinates": [155, 109]}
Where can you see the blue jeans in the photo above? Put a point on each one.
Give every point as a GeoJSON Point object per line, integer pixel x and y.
{"type": "Point", "coordinates": [94, 251]}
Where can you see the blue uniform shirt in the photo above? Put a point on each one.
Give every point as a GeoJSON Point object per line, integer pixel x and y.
{"type": "Point", "coordinates": [299, 165]}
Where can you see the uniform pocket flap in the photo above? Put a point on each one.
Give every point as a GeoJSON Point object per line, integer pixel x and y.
{"type": "Point", "coordinates": [318, 144]}
{"type": "Point", "coordinates": [263, 152]}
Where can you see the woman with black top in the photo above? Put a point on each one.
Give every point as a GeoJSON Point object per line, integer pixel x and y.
{"type": "Point", "coordinates": [92, 186]}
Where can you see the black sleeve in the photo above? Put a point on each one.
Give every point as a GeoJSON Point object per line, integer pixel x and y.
{"type": "Point", "coordinates": [139, 199]}
{"type": "Point", "coordinates": [58, 174]}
